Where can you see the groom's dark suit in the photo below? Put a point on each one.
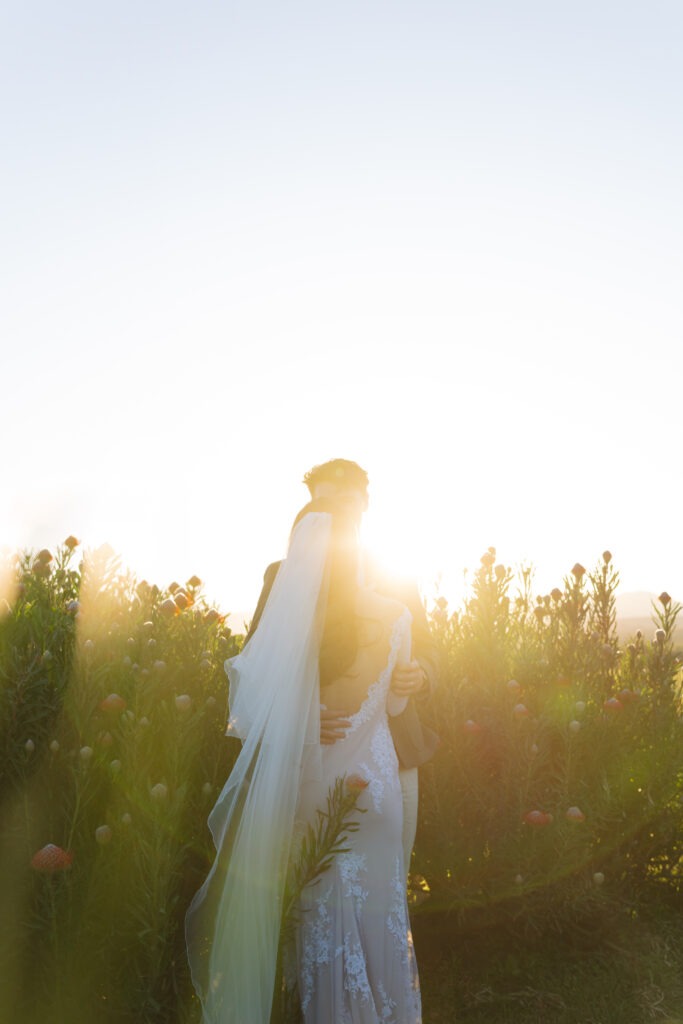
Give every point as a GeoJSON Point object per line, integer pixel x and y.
{"type": "Point", "coordinates": [415, 743]}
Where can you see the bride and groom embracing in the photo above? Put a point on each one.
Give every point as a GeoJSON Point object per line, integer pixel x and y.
{"type": "Point", "coordinates": [325, 687]}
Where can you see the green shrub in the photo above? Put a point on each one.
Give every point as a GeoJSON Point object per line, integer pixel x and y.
{"type": "Point", "coordinates": [113, 703]}
{"type": "Point", "coordinates": [555, 798]}
{"type": "Point", "coordinates": [112, 715]}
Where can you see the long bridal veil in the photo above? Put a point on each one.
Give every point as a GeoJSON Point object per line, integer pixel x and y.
{"type": "Point", "coordinates": [232, 926]}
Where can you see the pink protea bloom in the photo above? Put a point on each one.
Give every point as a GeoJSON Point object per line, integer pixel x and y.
{"type": "Point", "coordinates": [537, 818]}
{"type": "Point", "coordinates": [51, 858]}
{"type": "Point", "coordinates": [113, 703]}
{"type": "Point", "coordinates": [575, 814]}
{"type": "Point", "coordinates": [356, 784]}
{"type": "Point", "coordinates": [612, 704]}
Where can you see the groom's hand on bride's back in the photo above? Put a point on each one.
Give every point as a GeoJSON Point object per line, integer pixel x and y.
{"type": "Point", "coordinates": [333, 725]}
{"type": "Point", "coordinates": [408, 679]}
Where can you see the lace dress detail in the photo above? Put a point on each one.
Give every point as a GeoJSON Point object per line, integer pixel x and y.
{"type": "Point", "coordinates": [354, 949]}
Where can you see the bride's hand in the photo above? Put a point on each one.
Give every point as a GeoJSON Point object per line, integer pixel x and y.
{"type": "Point", "coordinates": [408, 679]}
{"type": "Point", "coordinates": [333, 725]}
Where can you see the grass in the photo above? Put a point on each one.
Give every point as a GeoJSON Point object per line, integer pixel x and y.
{"type": "Point", "coordinates": [634, 978]}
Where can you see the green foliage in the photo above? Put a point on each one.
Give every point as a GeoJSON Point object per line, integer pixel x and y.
{"type": "Point", "coordinates": [113, 703]}
{"type": "Point", "coordinates": [556, 796]}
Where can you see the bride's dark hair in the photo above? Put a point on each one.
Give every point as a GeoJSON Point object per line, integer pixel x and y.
{"type": "Point", "coordinates": [339, 641]}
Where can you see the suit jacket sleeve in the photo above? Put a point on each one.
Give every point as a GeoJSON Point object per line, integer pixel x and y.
{"type": "Point", "coordinates": [268, 580]}
{"type": "Point", "coordinates": [425, 651]}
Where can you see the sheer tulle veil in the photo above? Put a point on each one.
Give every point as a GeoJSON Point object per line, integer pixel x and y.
{"type": "Point", "coordinates": [232, 926]}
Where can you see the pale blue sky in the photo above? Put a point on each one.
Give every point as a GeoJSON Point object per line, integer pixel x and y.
{"type": "Point", "coordinates": [443, 239]}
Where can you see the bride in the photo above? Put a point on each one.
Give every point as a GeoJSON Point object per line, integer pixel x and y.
{"type": "Point", "coordinates": [322, 638]}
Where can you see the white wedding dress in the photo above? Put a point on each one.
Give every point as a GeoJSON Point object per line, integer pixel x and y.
{"type": "Point", "coordinates": [354, 952]}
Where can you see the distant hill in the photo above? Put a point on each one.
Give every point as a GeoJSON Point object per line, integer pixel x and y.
{"type": "Point", "coordinates": [634, 611]}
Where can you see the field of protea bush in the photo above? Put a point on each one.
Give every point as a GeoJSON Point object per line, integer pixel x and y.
{"type": "Point", "coordinates": [549, 857]}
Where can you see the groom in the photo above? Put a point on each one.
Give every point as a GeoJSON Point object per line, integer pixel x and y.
{"type": "Point", "coordinates": [414, 742]}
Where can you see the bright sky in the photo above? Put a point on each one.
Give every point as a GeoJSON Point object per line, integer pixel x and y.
{"type": "Point", "coordinates": [442, 239]}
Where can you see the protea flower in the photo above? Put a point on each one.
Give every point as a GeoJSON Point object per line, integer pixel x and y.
{"type": "Point", "coordinates": [537, 818]}
{"type": "Point", "coordinates": [183, 702]}
{"type": "Point", "coordinates": [159, 792]}
{"type": "Point", "coordinates": [194, 582]}
{"type": "Point", "coordinates": [103, 835]}
{"type": "Point", "coordinates": [113, 703]}
{"type": "Point", "coordinates": [169, 607]}
{"type": "Point", "coordinates": [664, 598]}
{"type": "Point", "coordinates": [71, 542]}
{"type": "Point", "coordinates": [51, 858]}
{"type": "Point", "coordinates": [356, 784]}
{"type": "Point", "coordinates": [575, 814]}
{"type": "Point", "coordinates": [578, 570]}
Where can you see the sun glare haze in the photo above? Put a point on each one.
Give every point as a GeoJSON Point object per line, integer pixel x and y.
{"type": "Point", "coordinates": [442, 240]}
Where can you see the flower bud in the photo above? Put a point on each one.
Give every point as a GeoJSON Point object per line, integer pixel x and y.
{"type": "Point", "coordinates": [556, 594]}
{"type": "Point", "coordinates": [194, 582]}
{"type": "Point", "coordinates": [664, 598]}
{"type": "Point", "coordinates": [607, 557]}
{"type": "Point", "coordinates": [159, 792]}
{"type": "Point", "coordinates": [660, 636]}
{"type": "Point", "coordinates": [575, 814]}
{"type": "Point", "coordinates": [71, 542]}
{"type": "Point", "coordinates": [86, 753]}
{"type": "Point", "coordinates": [54, 746]}
{"type": "Point", "coordinates": [356, 784]}
{"type": "Point", "coordinates": [29, 746]}
{"type": "Point", "coordinates": [183, 702]}
{"type": "Point", "coordinates": [126, 818]}
{"type": "Point", "coordinates": [598, 878]}
{"type": "Point", "coordinates": [580, 707]}
{"type": "Point", "coordinates": [578, 570]}
{"type": "Point", "coordinates": [574, 726]}
{"type": "Point", "coordinates": [103, 835]}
